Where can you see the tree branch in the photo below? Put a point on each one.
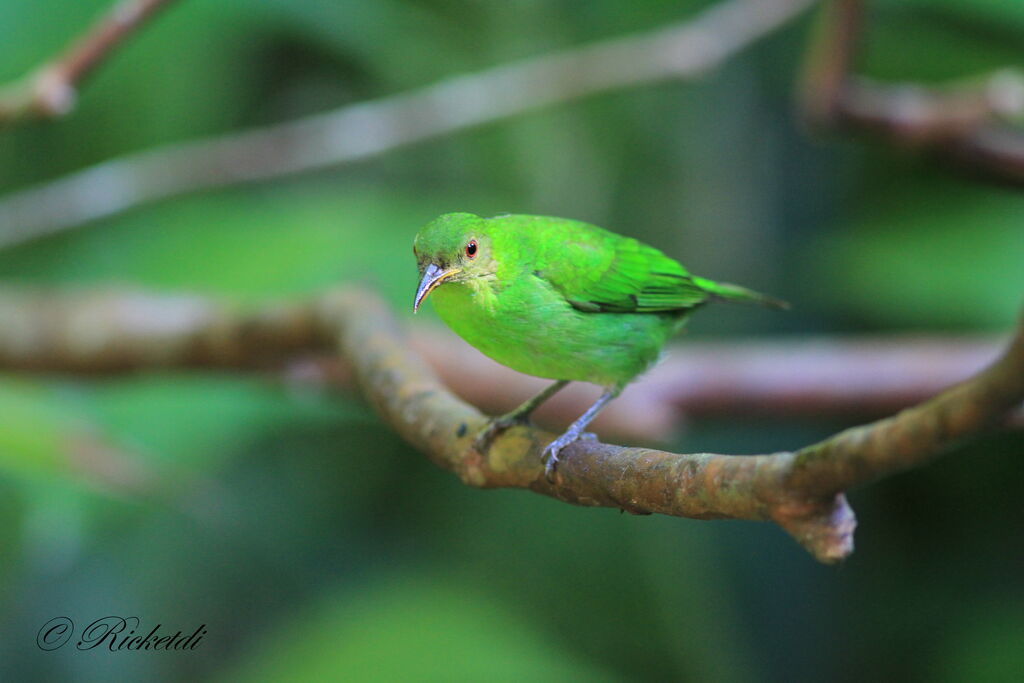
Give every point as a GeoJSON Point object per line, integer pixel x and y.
{"type": "Point", "coordinates": [802, 491]}
{"type": "Point", "coordinates": [966, 123]}
{"type": "Point", "coordinates": [353, 133]}
{"type": "Point", "coordinates": [50, 91]}
{"type": "Point", "coordinates": [795, 377]}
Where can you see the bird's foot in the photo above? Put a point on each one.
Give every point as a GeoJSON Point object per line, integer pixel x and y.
{"type": "Point", "coordinates": [495, 427]}
{"type": "Point", "coordinates": [551, 451]}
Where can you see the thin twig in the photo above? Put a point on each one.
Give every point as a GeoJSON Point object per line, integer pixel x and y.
{"type": "Point", "coordinates": [51, 90]}
{"type": "Point", "coordinates": [352, 133]}
{"type": "Point", "coordinates": [965, 123]}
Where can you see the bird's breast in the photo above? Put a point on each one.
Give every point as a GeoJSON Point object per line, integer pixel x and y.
{"type": "Point", "coordinates": [530, 327]}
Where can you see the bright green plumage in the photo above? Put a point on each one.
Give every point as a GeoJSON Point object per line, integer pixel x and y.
{"type": "Point", "coordinates": [559, 298]}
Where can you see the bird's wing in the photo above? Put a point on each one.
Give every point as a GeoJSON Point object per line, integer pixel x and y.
{"type": "Point", "coordinates": [621, 275]}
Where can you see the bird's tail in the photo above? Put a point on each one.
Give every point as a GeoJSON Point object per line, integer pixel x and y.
{"type": "Point", "coordinates": [730, 292]}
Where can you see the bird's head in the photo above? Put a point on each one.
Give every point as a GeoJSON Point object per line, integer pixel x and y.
{"type": "Point", "coordinates": [455, 247]}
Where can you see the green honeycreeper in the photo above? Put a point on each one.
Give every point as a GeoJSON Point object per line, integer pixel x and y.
{"type": "Point", "coordinates": [559, 299]}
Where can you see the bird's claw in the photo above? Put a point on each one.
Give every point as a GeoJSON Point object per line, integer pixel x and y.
{"type": "Point", "coordinates": [550, 463]}
{"type": "Point", "coordinates": [551, 451]}
{"type": "Point", "coordinates": [495, 427]}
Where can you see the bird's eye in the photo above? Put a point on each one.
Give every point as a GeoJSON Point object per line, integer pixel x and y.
{"type": "Point", "coordinates": [471, 249]}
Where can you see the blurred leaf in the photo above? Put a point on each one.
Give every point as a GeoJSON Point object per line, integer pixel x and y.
{"type": "Point", "coordinates": [400, 44]}
{"type": "Point", "coordinates": [998, 13]}
{"type": "Point", "coordinates": [224, 415]}
{"type": "Point", "coordinates": [12, 513]}
{"type": "Point", "coordinates": [250, 244]}
{"type": "Point", "coordinates": [942, 255]}
{"type": "Point", "coordinates": [920, 46]}
{"type": "Point", "coordinates": [412, 629]}
{"type": "Point", "coordinates": [38, 431]}
{"type": "Point", "coordinates": [985, 647]}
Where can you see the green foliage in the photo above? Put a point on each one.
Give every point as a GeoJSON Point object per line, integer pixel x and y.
{"type": "Point", "coordinates": [319, 235]}
{"type": "Point", "coordinates": [36, 433]}
{"type": "Point", "coordinates": [313, 543]}
{"type": "Point", "coordinates": [943, 40]}
{"type": "Point", "coordinates": [426, 629]}
{"type": "Point", "coordinates": [987, 648]}
{"type": "Point", "coordinates": [929, 255]}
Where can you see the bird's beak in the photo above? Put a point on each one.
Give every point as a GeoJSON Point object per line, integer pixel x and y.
{"type": "Point", "coordinates": [432, 277]}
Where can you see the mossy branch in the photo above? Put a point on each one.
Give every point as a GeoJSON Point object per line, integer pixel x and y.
{"type": "Point", "coordinates": [802, 491]}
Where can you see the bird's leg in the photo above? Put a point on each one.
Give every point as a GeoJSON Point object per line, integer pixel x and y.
{"type": "Point", "coordinates": [575, 431]}
{"type": "Point", "coordinates": [518, 416]}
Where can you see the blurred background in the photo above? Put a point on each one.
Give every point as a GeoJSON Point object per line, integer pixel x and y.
{"type": "Point", "coordinates": [315, 545]}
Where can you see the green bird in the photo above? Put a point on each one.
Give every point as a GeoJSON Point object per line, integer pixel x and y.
{"type": "Point", "coordinates": [559, 299]}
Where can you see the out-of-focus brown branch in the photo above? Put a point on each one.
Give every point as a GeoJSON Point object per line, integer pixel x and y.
{"type": "Point", "coordinates": [50, 91]}
{"type": "Point", "coordinates": [802, 491]}
{"type": "Point", "coordinates": [963, 123]}
{"type": "Point", "coordinates": [94, 332]}
{"type": "Point", "coordinates": [99, 331]}
{"type": "Point", "coordinates": [815, 377]}
{"type": "Point", "coordinates": [352, 133]}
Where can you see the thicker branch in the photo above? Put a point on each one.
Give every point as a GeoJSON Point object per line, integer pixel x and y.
{"type": "Point", "coordinates": [801, 491]}
{"type": "Point", "coordinates": [917, 434]}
